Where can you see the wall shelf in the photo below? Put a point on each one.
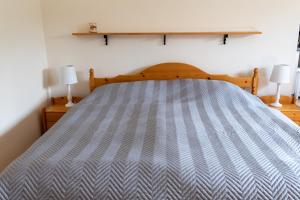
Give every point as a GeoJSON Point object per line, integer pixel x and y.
{"type": "Point", "coordinates": [164, 34]}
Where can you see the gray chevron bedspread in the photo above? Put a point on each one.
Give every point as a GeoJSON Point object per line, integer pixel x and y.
{"type": "Point", "coordinates": [182, 139]}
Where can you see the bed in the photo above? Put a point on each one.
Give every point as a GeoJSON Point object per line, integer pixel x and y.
{"type": "Point", "coordinates": [170, 132]}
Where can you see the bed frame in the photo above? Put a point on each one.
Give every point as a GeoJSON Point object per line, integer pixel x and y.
{"type": "Point", "coordinates": [172, 71]}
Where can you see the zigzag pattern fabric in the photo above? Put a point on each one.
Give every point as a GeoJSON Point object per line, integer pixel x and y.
{"type": "Point", "coordinates": [178, 140]}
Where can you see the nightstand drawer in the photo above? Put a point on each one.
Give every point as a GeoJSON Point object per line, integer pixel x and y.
{"type": "Point", "coordinates": [53, 117]}
{"type": "Point", "coordinates": [49, 125]}
{"type": "Point", "coordinates": [52, 113]}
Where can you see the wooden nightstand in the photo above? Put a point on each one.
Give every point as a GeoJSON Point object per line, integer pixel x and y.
{"type": "Point", "coordinates": [288, 107]}
{"type": "Point", "coordinates": [55, 111]}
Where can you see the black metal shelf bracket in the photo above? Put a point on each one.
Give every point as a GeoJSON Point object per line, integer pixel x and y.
{"type": "Point", "coordinates": [106, 39]}
{"type": "Point", "coordinates": [225, 38]}
{"type": "Point", "coordinates": [165, 39]}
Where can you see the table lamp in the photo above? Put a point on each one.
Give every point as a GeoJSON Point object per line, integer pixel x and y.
{"type": "Point", "coordinates": [280, 75]}
{"type": "Point", "coordinates": [69, 78]}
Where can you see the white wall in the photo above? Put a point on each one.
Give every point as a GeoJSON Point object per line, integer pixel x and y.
{"type": "Point", "coordinates": [22, 60]}
{"type": "Point", "coordinates": [278, 20]}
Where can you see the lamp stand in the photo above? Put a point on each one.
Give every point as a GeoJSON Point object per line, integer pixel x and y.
{"type": "Point", "coordinates": [276, 103]}
{"type": "Point", "coordinates": [70, 103]}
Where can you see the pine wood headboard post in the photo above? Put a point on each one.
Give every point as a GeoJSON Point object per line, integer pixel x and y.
{"type": "Point", "coordinates": [92, 78]}
{"type": "Point", "coordinates": [255, 81]}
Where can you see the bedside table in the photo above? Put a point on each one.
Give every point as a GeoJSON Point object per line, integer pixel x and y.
{"type": "Point", "coordinates": [52, 114]}
{"type": "Point", "coordinates": [55, 111]}
{"type": "Point", "coordinates": [288, 107]}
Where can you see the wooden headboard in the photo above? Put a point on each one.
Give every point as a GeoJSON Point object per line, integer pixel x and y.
{"type": "Point", "coordinates": [171, 71]}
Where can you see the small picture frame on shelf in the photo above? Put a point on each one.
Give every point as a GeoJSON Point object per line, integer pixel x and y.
{"type": "Point", "coordinates": [93, 27]}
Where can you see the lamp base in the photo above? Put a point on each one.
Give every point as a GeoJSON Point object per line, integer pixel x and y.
{"type": "Point", "coordinates": [69, 104]}
{"type": "Point", "coordinates": [69, 97]}
{"type": "Point", "coordinates": [276, 104]}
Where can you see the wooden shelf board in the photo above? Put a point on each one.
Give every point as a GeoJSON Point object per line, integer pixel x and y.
{"type": "Point", "coordinates": [171, 33]}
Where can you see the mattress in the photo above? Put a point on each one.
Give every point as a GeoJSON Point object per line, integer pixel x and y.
{"type": "Point", "coordinates": [180, 139]}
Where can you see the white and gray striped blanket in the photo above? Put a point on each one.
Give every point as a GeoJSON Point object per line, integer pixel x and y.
{"type": "Point", "coordinates": [182, 139]}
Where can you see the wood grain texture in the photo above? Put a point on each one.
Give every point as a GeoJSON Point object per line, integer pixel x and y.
{"type": "Point", "coordinates": [172, 71]}
{"type": "Point", "coordinates": [64, 100]}
{"type": "Point", "coordinates": [255, 79]}
{"type": "Point", "coordinates": [283, 99]}
{"type": "Point", "coordinates": [172, 33]}
{"type": "Point", "coordinates": [52, 113]}
{"type": "Point", "coordinates": [288, 107]}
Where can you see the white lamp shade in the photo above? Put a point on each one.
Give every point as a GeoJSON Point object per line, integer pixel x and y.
{"type": "Point", "coordinates": [280, 74]}
{"type": "Point", "coordinates": [69, 75]}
